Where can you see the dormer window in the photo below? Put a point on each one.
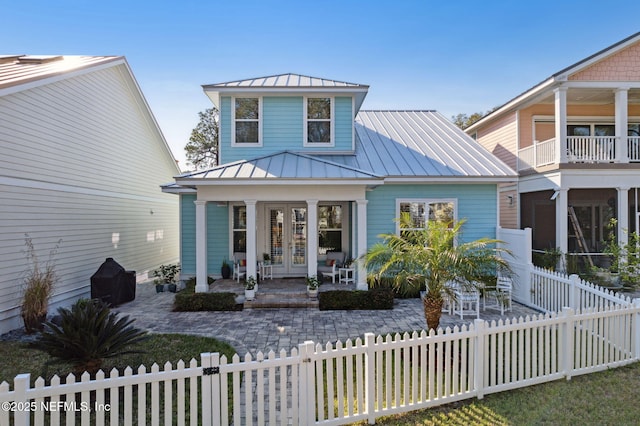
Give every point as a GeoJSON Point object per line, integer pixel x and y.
{"type": "Point", "coordinates": [246, 121]}
{"type": "Point", "coordinates": [318, 121]}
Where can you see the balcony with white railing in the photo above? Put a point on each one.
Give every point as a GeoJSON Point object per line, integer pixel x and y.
{"type": "Point", "coordinates": [581, 149]}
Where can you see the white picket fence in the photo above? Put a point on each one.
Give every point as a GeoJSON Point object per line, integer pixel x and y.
{"type": "Point", "coordinates": [342, 383]}
{"type": "Point", "coordinates": [551, 291]}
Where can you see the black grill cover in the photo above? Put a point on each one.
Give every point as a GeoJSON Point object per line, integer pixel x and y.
{"type": "Point", "coordinates": [112, 284]}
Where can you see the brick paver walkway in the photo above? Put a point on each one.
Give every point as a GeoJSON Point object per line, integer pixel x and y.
{"type": "Point", "coordinates": [253, 330]}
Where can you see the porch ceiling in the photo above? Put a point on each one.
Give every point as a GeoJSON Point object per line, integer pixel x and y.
{"type": "Point", "coordinates": [596, 96]}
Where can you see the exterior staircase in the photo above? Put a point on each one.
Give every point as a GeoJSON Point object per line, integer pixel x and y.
{"type": "Point", "coordinates": [282, 299]}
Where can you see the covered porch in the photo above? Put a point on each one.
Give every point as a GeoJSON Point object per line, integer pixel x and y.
{"type": "Point", "coordinates": [290, 207]}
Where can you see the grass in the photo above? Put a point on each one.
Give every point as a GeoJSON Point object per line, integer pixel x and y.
{"type": "Point", "coordinates": [19, 357]}
{"type": "Point", "coordinates": [605, 398]}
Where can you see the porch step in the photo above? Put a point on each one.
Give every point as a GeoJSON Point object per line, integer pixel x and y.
{"type": "Point", "coordinates": [281, 300]}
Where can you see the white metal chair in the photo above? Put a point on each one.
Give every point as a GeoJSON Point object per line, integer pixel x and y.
{"type": "Point", "coordinates": [239, 265]}
{"type": "Point", "coordinates": [466, 302]}
{"type": "Point", "coordinates": [335, 260]}
{"type": "Point", "coordinates": [500, 296]}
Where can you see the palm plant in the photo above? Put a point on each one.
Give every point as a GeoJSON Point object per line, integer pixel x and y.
{"type": "Point", "coordinates": [87, 334]}
{"type": "Point", "coordinates": [433, 258]}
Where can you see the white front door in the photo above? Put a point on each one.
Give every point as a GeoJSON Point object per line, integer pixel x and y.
{"type": "Point", "coordinates": [287, 238]}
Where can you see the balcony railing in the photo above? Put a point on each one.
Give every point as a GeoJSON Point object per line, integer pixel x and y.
{"type": "Point", "coordinates": [580, 149]}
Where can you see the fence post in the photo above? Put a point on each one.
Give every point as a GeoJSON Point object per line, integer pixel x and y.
{"type": "Point", "coordinates": [574, 292]}
{"type": "Point", "coordinates": [568, 349]}
{"type": "Point", "coordinates": [636, 329]}
{"type": "Point", "coordinates": [205, 363]}
{"type": "Point", "coordinates": [306, 387]}
{"type": "Point", "coordinates": [20, 387]}
{"type": "Point", "coordinates": [370, 377]}
{"type": "Point", "coordinates": [479, 327]}
{"type": "Point", "coordinates": [216, 398]}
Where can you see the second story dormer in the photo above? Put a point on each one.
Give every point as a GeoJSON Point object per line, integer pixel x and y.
{"type": "Point", "coordinates": [265, 115]}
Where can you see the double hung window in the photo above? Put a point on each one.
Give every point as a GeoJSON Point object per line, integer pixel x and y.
{"type": "Point", "coordinates": [246, 121]}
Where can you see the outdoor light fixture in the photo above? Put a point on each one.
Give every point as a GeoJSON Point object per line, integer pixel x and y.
{"type": "Point", "coordinates": [510, 198]}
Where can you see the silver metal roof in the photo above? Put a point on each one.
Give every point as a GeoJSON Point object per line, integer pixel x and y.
{"type": "Point", "coordinates": [20, 69]}
{"type": "Point", "coordinates": [418, 144]}
{"type": "Point", "coordinates": [285, 80]}
{"type": "Point", "coordinates": [282, 165]}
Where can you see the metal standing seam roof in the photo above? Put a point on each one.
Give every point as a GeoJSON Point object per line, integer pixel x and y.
{"type": "Point", "coordinates": [418, 144]}
{"type": "Point", "coordinates": [285, 80]}
{"type": "Point", "coordinates": [281, 165]}
{"type": "Point", "coordinates": [21, 69]}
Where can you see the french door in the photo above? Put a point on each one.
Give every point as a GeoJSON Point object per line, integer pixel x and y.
{"type": "Point", "coordinates": [287, 238]}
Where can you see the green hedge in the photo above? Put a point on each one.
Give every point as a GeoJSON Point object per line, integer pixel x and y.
{"type": "Point", "coordinates": [187, 301]}
{"type": "Point", "coordinates": [377, 298]}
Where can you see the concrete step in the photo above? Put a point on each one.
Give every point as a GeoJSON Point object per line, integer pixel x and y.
{"type": "Point", "coordinates": [281, 300]}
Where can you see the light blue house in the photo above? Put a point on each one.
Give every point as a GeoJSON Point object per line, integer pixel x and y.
{"type": "Point", "coordinates": [304, 172]}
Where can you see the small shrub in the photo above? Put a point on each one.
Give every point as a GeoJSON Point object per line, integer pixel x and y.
{"type": "Point", "coordinates": [166, 274]}
{"type": "Point", "coordinates": [377, 298]}
{"type": "Point", "coordinates": [88, 333]}
{"type": "Point", "coordinates": [188, 301]}
{"type": "Point", "coordinates": [38, 287]}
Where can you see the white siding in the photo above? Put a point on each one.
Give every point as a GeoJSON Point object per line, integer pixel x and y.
{"type": "Point", "coordinates": [81, 161]}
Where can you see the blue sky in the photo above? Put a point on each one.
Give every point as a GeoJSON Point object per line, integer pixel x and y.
{"type": "Point", "coordinates": [450, 56]}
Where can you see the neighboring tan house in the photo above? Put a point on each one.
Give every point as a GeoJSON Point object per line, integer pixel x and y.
{"type": "Point", "coordinates": [81, 161]}
{"type": "Point", "coordinates": [575, 141]}
{"type": "Point", "coordinates": [304, 172]}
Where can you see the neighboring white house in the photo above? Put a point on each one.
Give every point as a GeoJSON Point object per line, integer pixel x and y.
{"type": "Point", "coordinates": [81, 158]}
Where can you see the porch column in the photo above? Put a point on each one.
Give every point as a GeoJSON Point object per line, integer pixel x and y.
{"type": "Point", "coordinates": [623, 215]}
{"type": "Point", "coordinates": [202, 285]}
{"type": "Point", "coordinates": [622, 120]}
{"type": "Point", "coordinates": [362, 244]}
{"type": "Point", "coordinates": [251, 239]}
{"type": "Point", "coordinates": [561, 124]}
{"type": "Point", "coordinates": [562, 221]}
{"type": "Point", "coordinates": [312, 237]}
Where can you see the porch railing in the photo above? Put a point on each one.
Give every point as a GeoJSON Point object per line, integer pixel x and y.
{"type": "Point", "coordinates": [580, 149]}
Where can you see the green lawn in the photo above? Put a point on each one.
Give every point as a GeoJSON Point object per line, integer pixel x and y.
{"type": "Point", "coordinates": [18, 357]}
{"type": "Point", "coordinates": [606, 398]}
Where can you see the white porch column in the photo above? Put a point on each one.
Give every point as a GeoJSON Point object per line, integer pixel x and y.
{"type": "Point", "coordinates": [562, 221]}
{"type": "Point", "coordinates": [312, 237]}
{"type": "Point", "coordinates": [362, 244]}
{"type": "Point", "coordinates": [623, 215]}
{"type": "Point", "coordinates": [622, 120]}
{"type": "Point", "coordinates": [251, 239]}
{"type": "Point", "coordinates": [202, 285]}
{"type": "Point", "coordinates": [561, 124]}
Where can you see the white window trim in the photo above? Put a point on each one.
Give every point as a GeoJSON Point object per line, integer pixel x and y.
{"type": "Point", "coordinates": [332, 121]}
{"type": "Point", "coordinates": [232, 229]}
{"type": "Point", "coordinates": [233, 122]}
{"type": "Point", "coordinates": [426, 201]}
{"type": "Point", "coordinates": [345, 226]}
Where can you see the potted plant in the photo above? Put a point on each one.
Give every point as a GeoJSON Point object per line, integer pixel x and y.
{"type": "Point", "coordinates": [266, 258]}
{"type": "Point", "coordinates": [225, 269]}
{"type": "Point", "coordinates": [38, 287]}
{"type": "Point", "coordinates": [313, 282]}
{"type": "Point", "coordinates": [166, 274]}
{"type": "Point", "coordinates": [250, 288]}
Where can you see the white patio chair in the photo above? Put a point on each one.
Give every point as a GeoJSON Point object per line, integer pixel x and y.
{"type": "Point", "coordinates": [499, 297]}
{"type": "Point", "coordinates": [239, 265]}
{"type": "Point", "coordinates": [466, 302]}
{"type": "Point", "coordinates": [335, 260]}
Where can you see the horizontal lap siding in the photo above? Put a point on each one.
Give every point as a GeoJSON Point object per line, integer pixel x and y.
{"type": "Point", "coordinates": [476, 203]}
{"type": "Point", "coordinates": [501, 139]}
{"type": "Point", "coordinates": [188, 234]}
{"type": "Point", "coordinates": [217, 235]}
{"type": "Point", "coordinates": [82, 162]}
{"type": "Point", "coordinates": [283, 128]}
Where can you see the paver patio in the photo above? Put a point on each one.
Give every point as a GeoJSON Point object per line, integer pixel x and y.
{"type": "Point", "coordinates": [253, 330]}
